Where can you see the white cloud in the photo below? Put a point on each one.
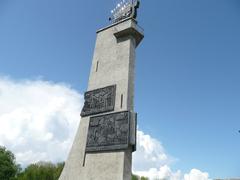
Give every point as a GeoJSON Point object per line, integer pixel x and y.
{"type": "Point", "coordinates": [164, 172]}
{"type": "Point", "coordinates": [150, 153]}
{"type": "Point", "coordinates": [151, 160]}
{"type": "Point", "coordinates": [195, 174]}
{"type": "Point", "coordinates": [39, 120]}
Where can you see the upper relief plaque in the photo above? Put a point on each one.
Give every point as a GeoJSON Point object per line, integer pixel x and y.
{"type": "Point", "coordinates": [99, 101]}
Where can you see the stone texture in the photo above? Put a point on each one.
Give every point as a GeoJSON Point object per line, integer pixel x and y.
{"type": "Point", "coordinates": [113, 63]}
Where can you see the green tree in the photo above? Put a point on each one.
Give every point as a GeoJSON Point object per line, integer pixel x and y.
{"type": "Point", "coordinates": [42, 171]}
{"type": "Point", "coordinates": [8, 167]}
{"type": "Point", "coordinates": [58, 170]}
{"type": "Point", "coordinates": [144, 178]}
{"type": "Point", "coordinates": [135, 177]}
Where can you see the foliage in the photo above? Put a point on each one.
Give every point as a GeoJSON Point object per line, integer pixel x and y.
{"type": "Point", "coordinates": [9, 170]}
{"type": "Point", "coordinates": [144, 178]}
{"type": "Point", "coordinates": [135, 177]}
{"type": "Point", "coordinates": [42, 171]}
{"type": "Point", "coordinates": [8, 167]}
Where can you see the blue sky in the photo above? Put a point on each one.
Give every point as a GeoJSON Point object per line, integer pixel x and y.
{"type": "Point", "coordinates": [187, 83]}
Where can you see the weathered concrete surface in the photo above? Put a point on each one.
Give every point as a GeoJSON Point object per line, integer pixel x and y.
{"type": "Point", "coordinates": [113, 63]}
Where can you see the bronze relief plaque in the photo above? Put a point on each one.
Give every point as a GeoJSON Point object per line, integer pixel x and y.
{"type": "Point", "coordinates": [99, 101]}
{"type": "Point", "coordinates": [108, 132]}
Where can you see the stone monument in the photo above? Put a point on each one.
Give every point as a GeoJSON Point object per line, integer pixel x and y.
{"type": "Point", "coordinates": [106, 137]}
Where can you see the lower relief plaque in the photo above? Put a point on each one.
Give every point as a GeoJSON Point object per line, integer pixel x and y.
{"type": "Point", "coordinates": [108, 132]}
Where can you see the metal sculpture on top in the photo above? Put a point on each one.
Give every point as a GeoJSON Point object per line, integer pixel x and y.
{"type": "Point", "coordinates": [123, 10]}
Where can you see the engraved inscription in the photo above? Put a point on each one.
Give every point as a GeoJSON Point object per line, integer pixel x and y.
{"type": "Point", "coordinates": [108, 132]}
{"type": "Point", "coordinates": [99, 101]}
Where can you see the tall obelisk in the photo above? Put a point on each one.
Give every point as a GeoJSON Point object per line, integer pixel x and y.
{"type": "Point", "coordinates": [106, 137]}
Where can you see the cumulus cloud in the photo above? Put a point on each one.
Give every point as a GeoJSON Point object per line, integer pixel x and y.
{"type": "Point", "coordinates": [39, 120]}
{"type": "Point", "coordinates": [164, 172]}
{"type": "Point", "coordinates": [196, 174]}
{"type": "Point", "coordinates": [150, 153]}
{"type": "Point", "coordinates": [151, 160]}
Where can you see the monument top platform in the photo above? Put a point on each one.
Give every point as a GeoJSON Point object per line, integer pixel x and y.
{"type": "Point", "coordinates": [126, 27]}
